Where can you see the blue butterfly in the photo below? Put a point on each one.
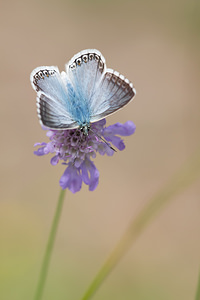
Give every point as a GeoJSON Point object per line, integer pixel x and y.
{"type": "Point", "coordinates": [87, 92]}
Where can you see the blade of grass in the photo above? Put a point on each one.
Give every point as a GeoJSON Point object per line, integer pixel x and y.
{"type": "Point", "coordinates": [49, 248]}
{"type": "Point", "coordinates": [198, 289]}
{"type": "Point", "coordinates": [187, 174]}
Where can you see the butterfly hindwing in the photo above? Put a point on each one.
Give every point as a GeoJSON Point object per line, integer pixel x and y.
{"type": "Point", "coordinates": [53, 115]}
{"type": "Point", "coordinates": [113, 92]}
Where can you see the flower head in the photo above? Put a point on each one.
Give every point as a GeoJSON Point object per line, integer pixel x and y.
{"type": "Point", "coordinates": [76, 150]}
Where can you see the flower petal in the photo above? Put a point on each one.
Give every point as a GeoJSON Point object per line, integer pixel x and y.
{"type": "Point", "coordinates": [100, 123]}
{"type": "Point", "coordinates": [125, 129]}
{"type": "Point", "coordinates": [90, 174]}
{"type": "Point", "coordinates": [105, 149]}
{"type": "Point", "coordinates": [40, 151]}
{"type": "Point", "coordinates": [117, 142]}
{"type": "Point", "coordinates": [39, 144]}
{"type": "Point", "coordinates": [55, 160]}
{"type": "Point", "coordinates": [71, 179]}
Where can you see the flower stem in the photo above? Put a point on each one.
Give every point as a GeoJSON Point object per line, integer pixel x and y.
{"type": "Point", "coordinates": [49, 248]}
{"type": "Point", "coordinates": [198, 289]}
{"type": "Point", "coordinates": [181, 180]}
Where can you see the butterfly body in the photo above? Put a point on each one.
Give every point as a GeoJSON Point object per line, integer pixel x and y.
{"type": "Point", "coordinates": [85, 93]}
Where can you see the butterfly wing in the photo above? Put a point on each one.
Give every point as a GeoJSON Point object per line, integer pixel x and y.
{"type": "Point", "coordinates": [53, 98]}
{"type": "Point", "coordinates": [114, 92]}
{"type": "Point", "coordinates": [85, 71]}
{"type": "Point", "coordinates": [102, 90]}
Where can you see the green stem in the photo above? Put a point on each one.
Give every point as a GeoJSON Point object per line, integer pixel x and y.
{"type": "Point", "coordinates": [49, 248]}
{"type": "Point", "coordinates": [198, 289]}
{"type": "Point", "coordinates": [182, 179]}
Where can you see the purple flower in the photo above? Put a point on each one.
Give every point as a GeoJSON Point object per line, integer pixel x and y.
{"type": "Point", "coordinates": [76, 151]}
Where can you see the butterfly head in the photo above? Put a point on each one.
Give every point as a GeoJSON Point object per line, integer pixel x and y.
{"type": "Point", "coordinates": [85, 129]}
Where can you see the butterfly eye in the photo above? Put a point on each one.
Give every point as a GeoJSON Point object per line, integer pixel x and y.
{"type": "Point", "coordinates": [78, 61]}
{"type": "Point", "coordinates": [85, 58]}
{"type": "Point", "coordinates": [36, 77]}
{"type": "Point", "coordinates": [91, 56]}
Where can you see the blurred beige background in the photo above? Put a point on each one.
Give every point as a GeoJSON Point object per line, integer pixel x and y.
{"type": "Point", "coordinates": [156, 45]}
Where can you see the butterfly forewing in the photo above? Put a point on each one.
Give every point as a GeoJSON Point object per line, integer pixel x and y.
{"type": "Point", "coordinates": [53, 103]}
{"type": "Point", "coordinates": [85, 71]}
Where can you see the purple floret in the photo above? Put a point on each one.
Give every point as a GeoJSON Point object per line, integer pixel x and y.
{"type": "Point", "coordinates": [76, 151]}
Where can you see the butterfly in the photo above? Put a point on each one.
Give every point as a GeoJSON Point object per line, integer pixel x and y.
{"type": "Point", "coordinates": [87, 92]}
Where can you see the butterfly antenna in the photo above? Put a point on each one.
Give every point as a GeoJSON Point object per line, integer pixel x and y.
{"type": "Point", "coordinates": [103, 140]}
